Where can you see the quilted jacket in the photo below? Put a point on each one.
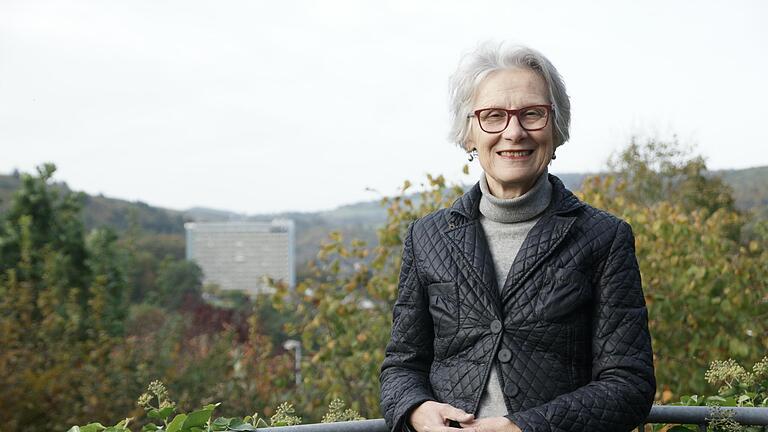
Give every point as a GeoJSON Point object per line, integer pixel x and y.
{"type": "Point", "coordinates": [569, 328]}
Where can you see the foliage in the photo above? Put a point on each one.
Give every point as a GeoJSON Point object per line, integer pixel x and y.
{"type": "Point", "coordinates": [337, 413]}
{"type": "Point", "coordinates": [343, 310]}
{"type": "Point", "coordinates": [285, 416]}
{"type": "Point", "coordinates": [162, 411]}
{"type": "Point", "coordinates": [58, 309]}
{"type": "Point", "coordinates": [655, 171]}
{"type": "Point", "coordinates": [176, 280]}
{"type": "Point", "coordinates": [705, 286]}
{"type": "Point", "coordinates": [738, 388]}
{"type": "Point", "coordinates": [75, 346]}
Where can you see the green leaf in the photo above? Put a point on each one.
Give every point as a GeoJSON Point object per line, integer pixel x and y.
{"type": "Point", "coordinates": [197, 418]}
{"type": "Point", "coordinates": [150, 427]}
{"type": "Point", "coordinates": [153, 414]}
{"type": "Point", "coordinates": [74, 429]}
{"type": "Point", "coordinates": [680, 428]}
{"type": "Point", "coordinates": [221, 423]}
{"type": "Point", "coordinates": [175, 425]}
{"type": "Point", "coordinates": [715, 400]}
{"type": "Point", "coordinates": [166, 412]}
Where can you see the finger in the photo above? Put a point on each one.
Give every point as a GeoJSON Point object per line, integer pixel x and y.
{"type": "Point", "coordinates": [457, 414]}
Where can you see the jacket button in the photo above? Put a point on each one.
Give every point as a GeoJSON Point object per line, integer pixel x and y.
{"type": "Point", "coordinates": [505, 355]}
{"type": "Point", "coordinates": [495, 326]}
{"type": "Point", "coordinates": [511, 389]}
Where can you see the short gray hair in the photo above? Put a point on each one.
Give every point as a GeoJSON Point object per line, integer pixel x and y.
{"type": "Point", "coordinates": [489, 57]}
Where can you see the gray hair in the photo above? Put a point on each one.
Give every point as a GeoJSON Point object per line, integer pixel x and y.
{"type": "Point", "coordinates": [489, 57]}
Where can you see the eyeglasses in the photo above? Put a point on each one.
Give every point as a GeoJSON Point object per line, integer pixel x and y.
{"type": "Point", "coordinates": [495, 120]}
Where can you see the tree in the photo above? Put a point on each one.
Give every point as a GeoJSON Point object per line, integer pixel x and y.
{"type": "Point", "coordinates": [344, 309]}
{"type": "Point", "coordinates": [704, 283]}
{"type": "Point", "coordinates": [41, 236]}
{"type": "Point", "coordinates": [75, 350]}
{"type": "Point", "coordinates": [655, 170]}
{"type": "Point", "coordinates": [57, 308]}
{"type": "Point", "coordinates": [175, 280]}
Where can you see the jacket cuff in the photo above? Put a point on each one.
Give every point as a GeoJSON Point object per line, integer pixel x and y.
{"type": "Point", "coordinates": [401, 422]}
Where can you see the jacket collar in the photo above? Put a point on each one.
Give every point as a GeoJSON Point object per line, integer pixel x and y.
{"type": "Point", "coordinates": [563, 201]}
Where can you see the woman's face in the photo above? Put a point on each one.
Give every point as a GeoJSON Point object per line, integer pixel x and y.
{"type": "Point", "coordinates": [514, 158]}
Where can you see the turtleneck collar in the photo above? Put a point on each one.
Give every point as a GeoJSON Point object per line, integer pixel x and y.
{"type": "Point", "coordinates": [522, 208]}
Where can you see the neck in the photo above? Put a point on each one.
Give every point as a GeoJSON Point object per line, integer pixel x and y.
{"type": "Point", "coordinates": [517, 209]}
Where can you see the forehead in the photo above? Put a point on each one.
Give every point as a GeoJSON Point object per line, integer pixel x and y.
{"type": "Point", "coordinates": [512, 87]}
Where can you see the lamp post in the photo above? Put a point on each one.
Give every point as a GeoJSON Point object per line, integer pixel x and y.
{"type": "Point", "coordinates": [292, 344]}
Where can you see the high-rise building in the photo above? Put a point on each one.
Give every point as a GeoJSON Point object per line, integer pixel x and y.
{"type": "Point", "coordinates": [237, 255]}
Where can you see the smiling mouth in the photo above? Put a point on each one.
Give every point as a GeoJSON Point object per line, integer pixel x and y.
{"type": "Point", "coordinates": [515, 154]}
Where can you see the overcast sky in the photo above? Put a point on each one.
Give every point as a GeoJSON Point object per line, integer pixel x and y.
{"type": "Point", "coordinates": [262, 106]}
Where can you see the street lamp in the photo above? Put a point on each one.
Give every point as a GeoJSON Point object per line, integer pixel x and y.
{"type": "Point", "coordinates": [292, 344]}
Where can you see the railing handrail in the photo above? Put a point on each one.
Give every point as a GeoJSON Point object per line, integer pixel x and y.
{"type": "Point", "coordinates": [698, 415]}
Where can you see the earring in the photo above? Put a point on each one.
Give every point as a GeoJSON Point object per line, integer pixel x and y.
{"type": "Point", "coordinates": [554, 156]}
{"type": "Point", "coordinates": [472, 154]}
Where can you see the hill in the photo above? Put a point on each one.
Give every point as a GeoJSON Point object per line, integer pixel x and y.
{"type": "Point", "coordinates": [358, 220]}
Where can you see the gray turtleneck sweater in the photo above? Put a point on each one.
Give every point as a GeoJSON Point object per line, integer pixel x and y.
{"type": "Point", "coordinates": [506, 223]}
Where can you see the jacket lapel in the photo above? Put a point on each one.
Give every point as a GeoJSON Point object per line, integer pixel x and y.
{"type": "Point", "coordinates": [469, 245]}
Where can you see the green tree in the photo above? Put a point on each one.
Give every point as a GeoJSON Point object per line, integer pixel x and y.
{"type": "Point", "coordinates": [654, 170]}
{"type": "Point", "coordinates": [176, 280]}
{"type": "Point", "coordinates": [704, 284]}
{"type": "Point", "coordinates": [41, 237]}
{"type": "Point", "coordinates": [107, 263]}
{"type": "Point", "coordinates": [53, 310]}
{"type": "Point", "coordinates": [75, 350]}
{"type": "Point", "coordinates": [343, 310]}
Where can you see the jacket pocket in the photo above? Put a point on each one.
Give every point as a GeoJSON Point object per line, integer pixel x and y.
{"type": "Point", "coordinates": [443, 306]}
{"type": "Point", "coordinates": [565, 291]}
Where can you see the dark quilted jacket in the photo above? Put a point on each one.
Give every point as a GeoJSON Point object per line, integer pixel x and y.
{"type": "Point", "coordinates": [569, 328]}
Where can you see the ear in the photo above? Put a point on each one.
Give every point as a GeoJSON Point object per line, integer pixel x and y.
{"type": "Point", "coordinates": [469, 143]}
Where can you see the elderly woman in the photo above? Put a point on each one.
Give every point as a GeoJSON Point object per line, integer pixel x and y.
{"type": "Point", "coordinates": [520, 307]}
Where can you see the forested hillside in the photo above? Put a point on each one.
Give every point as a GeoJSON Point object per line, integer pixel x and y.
{"type": "Point", "coordinates": [359, 220]}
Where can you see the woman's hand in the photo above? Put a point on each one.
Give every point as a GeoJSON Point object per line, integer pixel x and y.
{"type": "Point", "coordinates": [434, 416]}
{"type": "Point", "coordinates": [490, 424]}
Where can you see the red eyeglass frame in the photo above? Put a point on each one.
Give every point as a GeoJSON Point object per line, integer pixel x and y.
{"type": "Point", "coordinates": [549, 107]}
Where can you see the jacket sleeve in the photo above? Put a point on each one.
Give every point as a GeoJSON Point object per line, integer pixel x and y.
{"type": "Point", "coordinates": [404, 374]}
{"type": "Point", "coordinates": [622, 389]}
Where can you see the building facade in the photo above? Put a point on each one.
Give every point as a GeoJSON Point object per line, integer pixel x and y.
{"type": "Point", "coordinates": [238, 255]}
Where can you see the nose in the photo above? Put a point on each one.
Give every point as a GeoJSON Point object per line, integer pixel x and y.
{"type": "Point", "coordinates": [514, 132]}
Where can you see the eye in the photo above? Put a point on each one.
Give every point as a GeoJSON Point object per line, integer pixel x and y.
{"type": "Point", "coordinates": [493, 114]}
{"type": "Point", "coordinates": [534, 112]}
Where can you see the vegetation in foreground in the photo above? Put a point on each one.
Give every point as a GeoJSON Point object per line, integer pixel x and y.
{"type": "Point", "coordinates": [738, 388]}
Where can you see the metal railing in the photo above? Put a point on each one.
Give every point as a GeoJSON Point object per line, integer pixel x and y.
{"type": "Point", "coordinates": [659, 414]}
